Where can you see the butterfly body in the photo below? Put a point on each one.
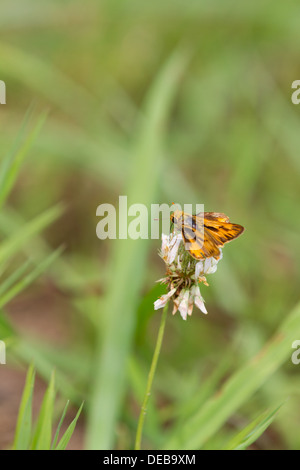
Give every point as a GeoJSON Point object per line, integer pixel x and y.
{"type": "Point", "coordinates": [205, 233]}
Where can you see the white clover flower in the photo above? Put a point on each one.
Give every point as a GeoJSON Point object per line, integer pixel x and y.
{"type": "Point", "coordinates": [207, 265]}
{"type": "Point", "coordinates": [161, 302]}
{"type": "Point", "coordinates": [183, 306]}
{"type": "Point", "coordinates": [183, 275]}
{"type": "Point", "coordinates": [169, 247]}
{"type": "Point", "coordinates": [198, 299]}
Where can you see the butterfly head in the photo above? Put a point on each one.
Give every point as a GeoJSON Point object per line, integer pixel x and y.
{"type": "Point", "coordinates": [177, 218]}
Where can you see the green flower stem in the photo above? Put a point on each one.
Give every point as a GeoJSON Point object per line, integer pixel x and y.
{"type": "Point", "coordinates": [143, 412]}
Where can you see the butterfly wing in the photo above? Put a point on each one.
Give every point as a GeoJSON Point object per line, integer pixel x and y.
{"type": "Point", "coordinates": [207, 232]}
{"type": "Point", "coordinates": [197, 242]}
{"type": "Point", "coordinates": [220, 230]}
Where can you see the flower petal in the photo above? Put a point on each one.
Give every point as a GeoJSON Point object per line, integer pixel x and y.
{"type": "Point", "coordinates": [161, 302]}
{"type": "Point", "coordinates": [191, 304]}
{"type": "Point", "coordinates": [174, 248]}
{"type": "Point", "coordinates": [165, 241]}
{"type": "Point", "coordinates": [175, 307]}
{"type": "Point", "coordinates": [198, 300]}
{"type": "Point", "coordinates": [184, 304]}
{"type": "Point", "coordinates": [199, 269]}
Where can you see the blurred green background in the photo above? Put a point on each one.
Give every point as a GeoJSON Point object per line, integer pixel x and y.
{"type": "Point", "coordinates": [162, 101]}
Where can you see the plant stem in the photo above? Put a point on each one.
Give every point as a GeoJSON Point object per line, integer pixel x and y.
{"type": "Point", "coordinates": [152, 370]}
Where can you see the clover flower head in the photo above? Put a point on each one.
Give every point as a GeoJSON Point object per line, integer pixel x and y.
{"type": "Point", "coordinates": [183, 276]}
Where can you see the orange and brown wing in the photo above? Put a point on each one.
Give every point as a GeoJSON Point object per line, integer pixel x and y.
{"type": "Point", "coordinates": [214, 216]}
{"type": "Point", "coordinates": [199, 244]}
{"type": "Point", "coordinates": [216, 232]}
{"type": "Point", "coordinates": [220, 229]}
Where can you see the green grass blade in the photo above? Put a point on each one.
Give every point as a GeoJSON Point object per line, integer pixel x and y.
{"type": "Point", "coordinates": [6, 329]}
{"type": "Point", "coordinates": [43, 431]}
{"type": "Point", "coordinates": [62, 271]}
{"type": "Point", "coordinates": [39, 75]}
{"type": "Point", "coordinates": [188, 408]}
{"type": "Point", "coordinates": [22, 236]}
{"type": "Point", "coordinates": [253, 431]}
{"type": "Point", "coordinates": [68, 434]}
{"type": "Point", "coordinates": [238, 388]}
{"type": "Point", "coordinates": [55, 439]}
{"type": "Point", "coordinates": [13, 277]}
{"type": "Point", "coordinates": [25, 350]}
{"type": "Point", "coordinates": [6, 162]}
{"type": "Point", "coordinates": [24, 422]}
{"type": "Point", "coordinates": [128, 263]}
{"type": "Point", "coordinates": [29, 278]}
{"type": "Point", "coordinates": [11, 165]}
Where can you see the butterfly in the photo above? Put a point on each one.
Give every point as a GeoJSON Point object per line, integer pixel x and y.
{"type": "Point", "coordinates": [205, 233]}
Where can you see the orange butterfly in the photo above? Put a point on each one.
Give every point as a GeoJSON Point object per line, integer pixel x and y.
{"type": "Point", "coordinates": [205, 233]}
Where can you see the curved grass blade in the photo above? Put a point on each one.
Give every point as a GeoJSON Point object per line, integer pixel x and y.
{"type": "Point", "coordinates": [39, 75]}
{"type": "Point", "coordinates": [22, 236]}
{"type": "Point", "coordinates": [11, 165]}
{"type": "Point", "coordinates": [68, 434]}
{"type": "Point", "coordinates": [24, 422]}
{"type": "Point", "coordinates": [9, 294]}
{"type": "Point", "coordinates": [55, 439]}
{"type": "Point", "coordinates": [14, 277]}
{"type": "Point", "coordinates": [238, 388]}
{"type": "Point", "coordinates": [43, 431]}
{"type": "Point", "coordinates": [253, 431]}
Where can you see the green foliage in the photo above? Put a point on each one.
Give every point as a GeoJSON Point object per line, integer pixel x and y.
{"type": "Point", "coordinates": [24, 423]}
{"type": "Point", "coordinates": [41, 438]}
{"type": "Point", "coordinates": [11, 164]}
{"type": "Point", "coordinates": [129, 262]}
{"type": "Point", "coordinates": [238, 388]}
{"type": "Point", "coordinates": [162, 101]}
{"type": "Point", "coordinates": [253, 431]}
